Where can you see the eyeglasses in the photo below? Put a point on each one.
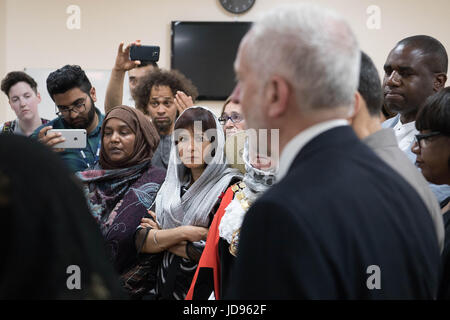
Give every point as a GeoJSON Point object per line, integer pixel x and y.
{"type": "Point", "coordinates": [422, 140]}
{"type": "Point", "coordinates": [78, 107]}
{"type": "Point", "coordinates": [235, 118]}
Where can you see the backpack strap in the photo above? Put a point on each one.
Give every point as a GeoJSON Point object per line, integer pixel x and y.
{"type": "Point", "coordinates": [8, 127]}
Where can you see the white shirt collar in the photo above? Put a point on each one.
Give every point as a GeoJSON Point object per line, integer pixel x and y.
{"type": "Point", "coordinates": [406, 126]}
{"type": "Point", "coordinates": [405, 134]}
{"type": "Point", "coordinates": [294, 146]}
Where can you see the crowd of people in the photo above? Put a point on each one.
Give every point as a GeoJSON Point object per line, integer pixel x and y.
{"type": "Point", "coordinates": [152, 208]}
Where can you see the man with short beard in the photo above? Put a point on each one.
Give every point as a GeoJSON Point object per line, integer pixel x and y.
{"type": "Point", "coordinates": [74, 98]}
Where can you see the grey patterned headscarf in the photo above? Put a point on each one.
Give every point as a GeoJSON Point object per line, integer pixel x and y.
{"type": "Point", "coordinates": [194, 206]}
{"type": "Point", "coordinates": [256, 179]}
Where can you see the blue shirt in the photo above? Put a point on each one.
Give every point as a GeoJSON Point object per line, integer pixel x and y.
{"type": "Point", "coordinates": [78, 159]}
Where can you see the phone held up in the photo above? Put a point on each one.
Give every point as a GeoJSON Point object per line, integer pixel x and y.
{"type": "Point", "coordinates": [144, 53]}
{"type": "Point", "coordinates": [75, 138]}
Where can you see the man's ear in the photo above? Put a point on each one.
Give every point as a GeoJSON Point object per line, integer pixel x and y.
{"type": "Point", "coordinates": [277, 95]}
{"type": "Point", "coordinates": [356, 107]}
{"type": "Point", "coordinates": [93, 95]}
{"type": "Point", "coordinates": [38, 95]}
{"type": "Point", "coordinates": [439, 81]}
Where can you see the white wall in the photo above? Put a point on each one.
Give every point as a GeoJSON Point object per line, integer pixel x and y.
{"type": "Point", "coordinates": [33, 34]}
{"type": "Point", "coordinates": [4, 107]}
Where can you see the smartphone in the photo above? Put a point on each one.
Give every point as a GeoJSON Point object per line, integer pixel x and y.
{"type": "Point", "coordinates": [144, 53]}
{"type": "Point", "coordinates": [75, 138]}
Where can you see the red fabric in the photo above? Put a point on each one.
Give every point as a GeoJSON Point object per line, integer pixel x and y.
{"type": "Point", "coordinates": [210, 255]}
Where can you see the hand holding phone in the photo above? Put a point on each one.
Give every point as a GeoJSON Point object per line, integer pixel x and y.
{"type": "Point", "coordinates": [50, 139]}
{"type": "Point", "coordinates": [123, 62]}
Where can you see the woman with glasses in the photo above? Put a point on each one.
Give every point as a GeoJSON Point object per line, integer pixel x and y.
{"type": "Point", "coordinates": [432, 148]}
{"type": "Point", "coordinates": [123, 185]}
{"type": "Point", "coordinates": [232, 118]}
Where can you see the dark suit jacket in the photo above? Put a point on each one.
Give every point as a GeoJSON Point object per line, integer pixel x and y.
{"type": "Point", "coordinates": [339, 211]}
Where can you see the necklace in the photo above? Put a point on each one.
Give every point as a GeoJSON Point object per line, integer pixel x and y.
{"type": "Point", "coordinates": [245, 203]}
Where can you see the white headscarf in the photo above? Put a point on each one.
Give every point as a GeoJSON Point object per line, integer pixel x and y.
{"type": "Point", "coordinates": [198, 201]}
{"type": "Point", "coordinates": [257, 182]}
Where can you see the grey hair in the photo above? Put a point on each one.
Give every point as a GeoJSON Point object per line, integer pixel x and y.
{"type": "Point", "coordinates": [313, 48]}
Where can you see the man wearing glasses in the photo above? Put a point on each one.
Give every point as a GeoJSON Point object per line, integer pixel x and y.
{"type": "Point", "coordinates": [414, 70]}
{"type": "Point", "coordinates": [74, 98]}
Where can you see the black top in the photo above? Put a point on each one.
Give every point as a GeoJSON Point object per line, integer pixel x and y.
{"type": "Point", "coordinates": [49, 238]}
{"type": "Point", "coordinates": [340, 220]}
{"type": "Point", "coordinates": [227, 261]}
{"type": "Point", "coordinates": [444, 290]}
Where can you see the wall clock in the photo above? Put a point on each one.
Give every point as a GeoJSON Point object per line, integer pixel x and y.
{"type": "Point", "coordinates": [237, 6]}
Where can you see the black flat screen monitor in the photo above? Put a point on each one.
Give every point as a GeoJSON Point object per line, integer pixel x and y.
{"type": "Point", "coordinates": [205, 52]}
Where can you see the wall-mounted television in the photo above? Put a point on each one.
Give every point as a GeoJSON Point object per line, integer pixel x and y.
{"type": "Point", "coordinates": [205, 52]}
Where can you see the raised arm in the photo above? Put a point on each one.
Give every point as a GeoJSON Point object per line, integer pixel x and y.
{"type": "Point", "coordinates": [114, 91]}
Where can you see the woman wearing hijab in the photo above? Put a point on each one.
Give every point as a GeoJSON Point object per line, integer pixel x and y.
{"type": "Point", "coordinates": [51, 247]}
{"type": "Point", "coordinates": [124, 184]}
{"type": "Point", "coordinates": [212, 276]}
{"type": "Point", "coordinates": [197, 177]}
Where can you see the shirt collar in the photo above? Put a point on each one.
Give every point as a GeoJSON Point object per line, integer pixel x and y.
{"type": "Point", "coordinates": [296, 144]}
{"type": "Point", "coordinates": [406, 126]}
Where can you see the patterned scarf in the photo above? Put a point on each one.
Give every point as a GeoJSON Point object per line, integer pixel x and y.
{"type": "Point", "coordinates": [107, 186]}
{"type": "Point", "coordinates": [106, 190]}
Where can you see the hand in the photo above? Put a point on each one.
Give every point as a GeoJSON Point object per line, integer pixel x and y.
{"type": "Point", "coordinates": [149, 223]}
{"type": "Point", "coordinates": [123, 62]}
{"type": "Point", "coordinates": [51, 138]}
{"type": "Point", "coordinates": [182, 101]}
{"type": "Point", "coordinates": [193, 233]}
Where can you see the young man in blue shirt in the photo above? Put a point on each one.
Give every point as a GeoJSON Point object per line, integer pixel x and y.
{"type": "Point", "coordinates": [74, 98]}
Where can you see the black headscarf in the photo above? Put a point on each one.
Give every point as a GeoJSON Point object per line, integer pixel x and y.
{"type": "Point", "coordinates": [46, 228]}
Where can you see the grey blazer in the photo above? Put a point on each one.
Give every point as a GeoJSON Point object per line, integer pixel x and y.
{"type": "Point", "coordinates": [384, 144]}
{"type": "Point", "coordinates": [441, 192]}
